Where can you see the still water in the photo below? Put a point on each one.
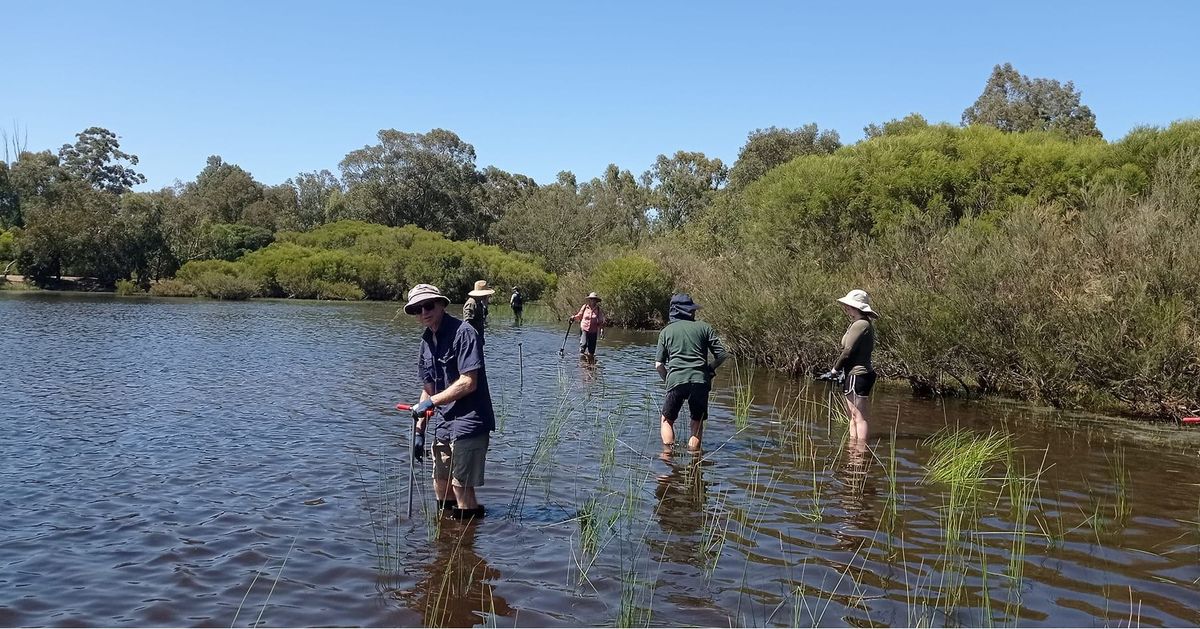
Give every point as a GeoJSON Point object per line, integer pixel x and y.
{"type": "Point", "coordinates": [198, 463]}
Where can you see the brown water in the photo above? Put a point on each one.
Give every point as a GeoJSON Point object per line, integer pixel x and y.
{"type": "Point", "coordinates": [183, 463]}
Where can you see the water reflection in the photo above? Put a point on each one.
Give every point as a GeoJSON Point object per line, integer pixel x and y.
{"type": "Point", "coordinates": [855, 495]}
{"type": "Point", "coordinates": [456, 589]}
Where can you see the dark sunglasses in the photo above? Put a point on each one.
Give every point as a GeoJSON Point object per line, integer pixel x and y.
{"type": "Point", "coordinates": [426, 306]}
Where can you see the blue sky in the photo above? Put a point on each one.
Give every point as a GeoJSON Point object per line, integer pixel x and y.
{"type": "Point", "coordinates": [285, 87]}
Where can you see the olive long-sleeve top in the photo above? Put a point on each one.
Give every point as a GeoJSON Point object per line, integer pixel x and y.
{"type": "Point", "coordinates": [857, 344]}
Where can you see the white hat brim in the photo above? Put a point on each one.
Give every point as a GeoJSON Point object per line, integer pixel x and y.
{"type": "Point", "coordinates": [858, 305]}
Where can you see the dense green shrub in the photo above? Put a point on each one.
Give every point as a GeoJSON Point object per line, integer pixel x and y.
{"type": "Point", "coordinates": [172, 288]}
{"type": "Point", "coordinates": [635, 290]}
{"type": "Point", "coordinates": [126, 287]}
{"type": "Point", "coordinates": [1076, 308]}
{"type": "Point", "coordinates": [943, 172]}
{"type": "Point", "coordinates": [230, 241]}
{"type": "Point", "coordinates": [8, 245]}
{"type": "Point", "coordinates": [381, 263]}
{"type": "Point", "coordinates": [219, 279]}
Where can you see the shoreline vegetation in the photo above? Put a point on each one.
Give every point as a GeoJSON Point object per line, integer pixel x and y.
{"type": "Point", "coordinates": [1017, 254]}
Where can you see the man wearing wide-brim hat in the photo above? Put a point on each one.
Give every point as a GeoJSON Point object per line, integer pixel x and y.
{"type": "Point", "coordinates": [455, 388]}
{"type": "Point", "coordinates": [475, 311]}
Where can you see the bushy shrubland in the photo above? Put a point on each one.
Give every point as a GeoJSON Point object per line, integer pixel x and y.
{"type": "Point", "coordinates": [127, 288]}
{"type": "Point", "coordinates": [635, 290]}
{"type": "Point", "coordinates": [1084, 301]}
{"type": "Point", "coordinates": [219, 279]}
{"type": "Point", "coordinates": [355, 260]}
{"type": "Point", "coordinates": [172, 288]}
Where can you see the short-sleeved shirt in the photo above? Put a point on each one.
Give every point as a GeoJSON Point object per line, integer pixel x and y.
{"type": "Point", "coordinates": [684, 346]}
{"type": "Point", "coordinates": [456, 349]}
{"type": "Point", "coordinates": [475, 312]}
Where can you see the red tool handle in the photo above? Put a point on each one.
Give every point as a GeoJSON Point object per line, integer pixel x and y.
{"type": "Point", "coordinates": [1190, 420]}
{"type": "Point", "coordinates": [408, 407]}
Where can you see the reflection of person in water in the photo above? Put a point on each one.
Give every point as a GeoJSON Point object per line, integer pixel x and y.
{"type": "Point", "coordinates": [682, 496]}
{"type": "Point", "coordinates": [856, 495]}
{"type": "Point", "coordinates": [457, 591]}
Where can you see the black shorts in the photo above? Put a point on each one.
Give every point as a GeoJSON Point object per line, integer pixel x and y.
{"type": "Point", "coordinates": [859, 385]}
{"type": "Point", "coordinates": [587, 342]}
{"type": "Point", "coordinates": [696, 394]}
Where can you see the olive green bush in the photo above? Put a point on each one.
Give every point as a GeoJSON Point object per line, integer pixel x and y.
{"type": "Point", "coordinates": [1087, 305]}
{"type": "Point", "coordinates": [635, 290]}
{"type": "Point", "coordinates": [356, 260]}
{"type": "Point", "coordinates": [172, 288]}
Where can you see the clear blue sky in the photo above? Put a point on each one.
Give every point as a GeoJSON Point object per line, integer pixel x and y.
{"type": "Point", "coordinates": [285, 87]}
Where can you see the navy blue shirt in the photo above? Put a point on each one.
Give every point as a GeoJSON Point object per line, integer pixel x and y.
{"type": "Point", "coordinates": [457, 349]}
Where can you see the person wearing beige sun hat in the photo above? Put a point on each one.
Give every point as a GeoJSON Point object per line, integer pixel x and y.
{"type": "Point", "coordinates": [853, 365]}
{"type": "Point", "coordinates": [455, 402]}
{"type": "Point", "coordinates": [591, 320]}
{"type": "Point", "coordinates": [475, 310]}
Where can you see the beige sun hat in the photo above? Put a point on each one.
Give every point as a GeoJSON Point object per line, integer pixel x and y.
{"type": "Point", "coordinates": [422, 293]}
{"type": "Point", "coordinates": [593, 295]}
{"type": "Point", "coordinates": [860, 300]}
{"type": "Point", "coordinates": [481, 290]}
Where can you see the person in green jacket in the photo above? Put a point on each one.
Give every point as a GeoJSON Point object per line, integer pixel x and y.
{"type": "Point", "coordinates": [853, 365]}
{"type": "Point", "coordinates": [682, 362]}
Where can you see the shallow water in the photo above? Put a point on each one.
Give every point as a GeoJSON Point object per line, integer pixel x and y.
{"type": "Point", "coordinates": [183, 463]}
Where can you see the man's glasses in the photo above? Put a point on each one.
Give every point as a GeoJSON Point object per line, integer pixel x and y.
{"type": "Point", "coordinates": [426, 306]}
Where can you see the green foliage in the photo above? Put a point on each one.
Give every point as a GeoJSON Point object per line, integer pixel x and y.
{"type": "Point", "coordinates": [1066, 306]}
{"type": "Point", "coordinates": [10, 203]}
{"type": "Point", "coordinates": [230, 242]}
{"type": "Point", "coordinates": [95, 159]}
{"type": "Point", "coordinates": [127, 288]}
{"type": "Point", "coordinates": [683, 185]}
{"type": "Point", "coordinates": [218, 279]}
{"type": "Point", "coordinates": [634, 288]}
{"type": "Point", "coordinates": [173, 288]}
{"type": "Point", "coordinates": [942, 172]}
{"type": "Point", "coordinates": [356, 260]}
{"type": "Point", "coordinates": [425, 179]}
{"type": "Point", "coordinates": [1012, 101]}
{"type": "Point", "coordinates": [8, 244]}
{"type": "Point", "coordinates": [767, 148]}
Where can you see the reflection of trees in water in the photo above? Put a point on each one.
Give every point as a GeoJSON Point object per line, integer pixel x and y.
{"type": "Point", "coordinates": [456, 589]}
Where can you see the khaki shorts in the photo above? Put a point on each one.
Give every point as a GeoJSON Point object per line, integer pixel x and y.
{"type": "Point", "coordinates": [461, 460]}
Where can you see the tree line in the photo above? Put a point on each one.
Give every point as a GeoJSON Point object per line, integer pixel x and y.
{"type": "Point", "coordinates": [1017, 251]}
{"type": "Point", "coordinates": [73, 211]}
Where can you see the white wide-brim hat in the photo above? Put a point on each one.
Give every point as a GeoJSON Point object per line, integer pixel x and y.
{"type": "Point", "coordinates": [860, 300]}
{"type": "Point", "coordinates": [420, 294]}
{"type": "Point", "coordinates": [593, 295]}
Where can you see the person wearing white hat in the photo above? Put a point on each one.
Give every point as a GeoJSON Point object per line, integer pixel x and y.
{"type": "Point", "coordinates": [475, 310]}
{"type": "Point", "coordinates": [591, 320]}
{"type": "Point", "coordinates": [853, 365]}
{"type": "Point", "coordinates": [455, 401]}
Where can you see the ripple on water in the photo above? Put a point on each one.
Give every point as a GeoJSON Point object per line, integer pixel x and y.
{"type": "Point", "coordinates": [162, 454]}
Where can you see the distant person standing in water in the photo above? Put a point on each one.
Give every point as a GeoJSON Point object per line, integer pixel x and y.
{"type": "Point", "coordinates": [517, 301]}
{"type": "Point", "coordinates": [682, 362]}
{"type": "Point", "coordinates": [455, 387]}
{"type": "Point", "coordinates": [853, 364]}
{"type": "Point", "coordinates": [591, 321]}
{"type": "Point", "coordinates": [475, 310]}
